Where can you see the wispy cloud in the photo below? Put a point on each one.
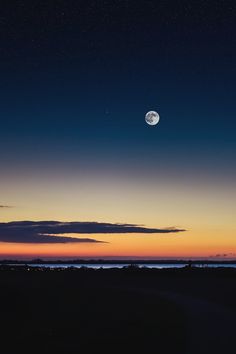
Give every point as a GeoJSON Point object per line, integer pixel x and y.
{"type": "Point", "coordinates": [6, 206]}
{"type": "Point", "coordinates": [50, 231]}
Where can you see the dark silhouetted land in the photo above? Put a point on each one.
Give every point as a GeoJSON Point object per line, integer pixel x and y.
{"type": "Point", "coordinates": [108, 311]}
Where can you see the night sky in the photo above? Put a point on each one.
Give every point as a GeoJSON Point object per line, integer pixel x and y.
{"type": "Point", "coordinates": [77, 78]}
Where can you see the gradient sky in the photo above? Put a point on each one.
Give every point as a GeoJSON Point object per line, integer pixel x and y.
{"type": "Point", "coordinates": [77, 78]}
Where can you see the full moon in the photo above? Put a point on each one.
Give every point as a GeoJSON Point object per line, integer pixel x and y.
{"type": "Point", "coordinates": [152, 118]}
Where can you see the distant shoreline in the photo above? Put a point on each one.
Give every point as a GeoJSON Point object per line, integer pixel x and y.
{"type": "Point", "coordinates": [115, 261]}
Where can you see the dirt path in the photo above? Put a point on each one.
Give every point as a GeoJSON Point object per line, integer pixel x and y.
{"type": "Point", "coordinates": [210, 327]}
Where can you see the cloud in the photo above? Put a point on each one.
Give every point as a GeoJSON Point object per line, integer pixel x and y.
{"type": "Point", "coordinates": [50, 231]}
{"type": "Point", "coordinates": [6, 206]}
{"type": "Point", "coordinates": [223, 255]}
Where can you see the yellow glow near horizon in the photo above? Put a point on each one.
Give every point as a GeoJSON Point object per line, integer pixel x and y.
{"type": "Point", "coordinates": [207, 211]}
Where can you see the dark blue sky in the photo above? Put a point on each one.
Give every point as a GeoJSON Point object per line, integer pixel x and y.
{"type": "Point", "coordinates": [76, 80]}
{"type": "Point", "coordinates": [78, 76]}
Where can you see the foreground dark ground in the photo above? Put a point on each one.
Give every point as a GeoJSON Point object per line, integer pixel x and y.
{"type": "Point", "coordinates": [108, 311]}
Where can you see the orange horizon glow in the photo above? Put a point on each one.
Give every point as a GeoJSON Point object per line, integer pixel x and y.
{"type": "Point", "coordinates": [179, 245]}
{"type": "Point", "coordinates": [205, 210]}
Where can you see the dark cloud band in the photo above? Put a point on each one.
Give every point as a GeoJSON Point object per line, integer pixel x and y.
{"type": "Point", "coordinates": [50, 231]}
